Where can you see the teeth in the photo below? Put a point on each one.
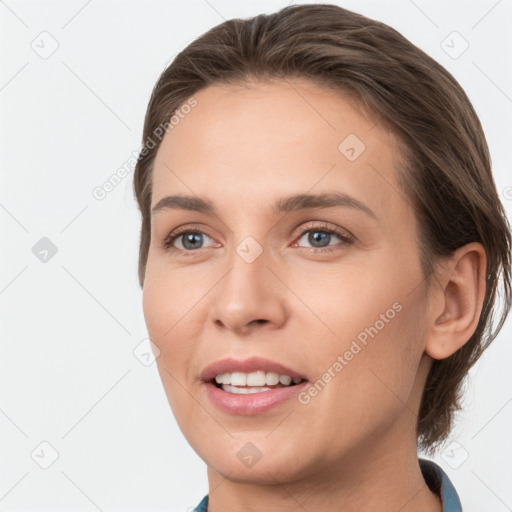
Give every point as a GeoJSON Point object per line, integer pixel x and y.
{"type": "Point", "coordinates": [271, 379]}
{"type": "Point", "coordinates": [223, 378]}
{"type": "Point", "coordinates": [238, 379]}
{"type": "Point", "coordinates": [243, 391]}
{"type": "Point", "coordinates": [285, 380]}
{"type": "Point", "coordinates": [257, 379]}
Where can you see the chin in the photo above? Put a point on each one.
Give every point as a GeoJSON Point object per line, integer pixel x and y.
{"type": "Point", "coordinates": [258, 462]}
{"type": "Point", "coordinates": [262, 473]}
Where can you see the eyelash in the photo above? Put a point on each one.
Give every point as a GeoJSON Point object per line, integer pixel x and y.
{"type": "Point", "coordinates": [345, 238]}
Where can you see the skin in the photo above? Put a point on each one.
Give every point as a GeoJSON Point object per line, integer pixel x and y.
{"type": "Point", "coordinates": [353, 446]}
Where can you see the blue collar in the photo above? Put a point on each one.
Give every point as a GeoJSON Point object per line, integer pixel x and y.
{"type": "Point", "coordinates": [438, 482]}
{"type": "Point", "coordinates": [434, 476]}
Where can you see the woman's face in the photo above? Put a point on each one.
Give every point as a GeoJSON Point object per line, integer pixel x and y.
{"type": "Point", "coordinates": [333, 293]}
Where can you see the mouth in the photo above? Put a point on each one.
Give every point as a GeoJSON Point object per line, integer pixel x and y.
{"type": "Point", "coordinates": [252, 386]}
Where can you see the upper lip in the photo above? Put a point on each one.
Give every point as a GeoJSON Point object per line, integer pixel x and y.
{"type": "Point", "coordinates": [252, 364]}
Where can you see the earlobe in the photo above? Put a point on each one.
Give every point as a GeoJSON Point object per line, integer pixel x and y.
{"type": "Point", "coordinates": [459, 300]}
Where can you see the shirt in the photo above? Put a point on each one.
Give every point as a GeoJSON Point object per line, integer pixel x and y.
{"type": "Point", "coordinates": [436, 479]}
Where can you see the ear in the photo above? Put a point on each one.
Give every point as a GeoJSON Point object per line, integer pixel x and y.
{"type": "Point", "coordinates": [456, 301]}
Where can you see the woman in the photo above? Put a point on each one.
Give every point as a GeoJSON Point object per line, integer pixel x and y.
{"type": "Point", "coordinates": [321, 248]}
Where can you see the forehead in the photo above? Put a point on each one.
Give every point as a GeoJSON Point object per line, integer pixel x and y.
{"type": "Point", "coordinates": [263, 140]}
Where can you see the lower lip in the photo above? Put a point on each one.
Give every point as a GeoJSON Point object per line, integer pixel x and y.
{"type": "Point", "coordinates": [252, 403]}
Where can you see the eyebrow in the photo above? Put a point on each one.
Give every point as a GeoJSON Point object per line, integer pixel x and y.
{"type": "Point", "coordinates": [285, 204]}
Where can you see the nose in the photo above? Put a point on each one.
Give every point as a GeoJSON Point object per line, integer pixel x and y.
{"type": "Point", "coordinates": [249, 297]}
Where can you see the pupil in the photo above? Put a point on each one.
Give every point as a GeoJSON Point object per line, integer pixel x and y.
{"type": "Point", "coordinates": [192, 238]}
{"type": "Point", "coordinates": [318, 236]}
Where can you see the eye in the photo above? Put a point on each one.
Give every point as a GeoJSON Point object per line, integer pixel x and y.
{"type": "Point", "coordinates": [189, 239]}
{"type": "Point", "coordinates": [320, 237]}
{"type": "Point", "coordinates": [186, 240]}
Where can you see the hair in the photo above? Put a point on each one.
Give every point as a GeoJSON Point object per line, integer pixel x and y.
{"type": "Point", "coordinates": [446, 175]}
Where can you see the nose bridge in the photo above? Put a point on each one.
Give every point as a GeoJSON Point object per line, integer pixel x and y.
{"type": "Point", "coordinates": [248, 292]}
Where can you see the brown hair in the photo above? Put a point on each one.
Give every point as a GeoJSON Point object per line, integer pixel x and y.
{"type": "Point", "coordinates": [447, 173]}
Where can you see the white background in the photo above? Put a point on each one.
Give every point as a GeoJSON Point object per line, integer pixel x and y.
{"type": "Point", "coordinates": [68, 375]}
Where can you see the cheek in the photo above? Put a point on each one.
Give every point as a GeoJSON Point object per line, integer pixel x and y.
{"type": "Point", "coordinates": [166, 322]}
{"type": "Point", "coordinates": [166, 312]}
{"type": "Point", "coordinates": [368, 361]}
{"type": "Point", "coordinates": [348, 301]}
{"type": "Point", "coordinates": [380, 358]}
{"type": "Point", "coordinates": [168, 298]}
